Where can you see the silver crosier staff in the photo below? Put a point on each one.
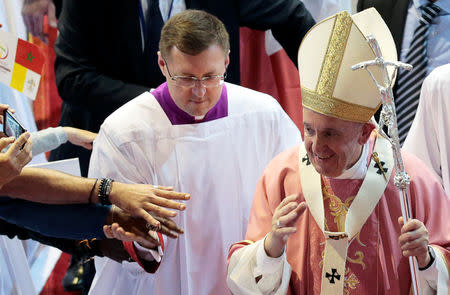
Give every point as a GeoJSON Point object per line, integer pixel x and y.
{"type": "Point", "coordinates": [388, 118]}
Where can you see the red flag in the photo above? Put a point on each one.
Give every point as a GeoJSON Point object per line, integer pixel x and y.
{"type": "Point", "coordinates": [29, 56]}
{"type": "Point", "coordinates": [275, 74]}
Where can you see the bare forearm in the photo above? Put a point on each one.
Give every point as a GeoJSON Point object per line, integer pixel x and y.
{"type": "Point", "coordinates": [49, 186]}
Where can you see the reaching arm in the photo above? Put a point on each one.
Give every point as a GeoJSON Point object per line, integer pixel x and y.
{"type": "Point", "coordinates": [51, 138]}
{"type": "Point", "coordinates": [61, 221]}
{"type": "Point", "coordinates": [54, 187]}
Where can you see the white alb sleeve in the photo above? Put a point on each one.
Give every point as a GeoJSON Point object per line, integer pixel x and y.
{"type": "Point", "coordinates": [435, 279]}
{"type": "Point", "coordinates": [252, 272]}
{"type": "Point", "coordinates": [150, 254]}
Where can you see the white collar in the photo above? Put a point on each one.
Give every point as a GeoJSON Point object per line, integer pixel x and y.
{"type": "Point", "coordinates": [359, 169]}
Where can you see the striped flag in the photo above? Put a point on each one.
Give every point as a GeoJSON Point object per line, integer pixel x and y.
{"type": "Point", "coordinates": [21, 64]}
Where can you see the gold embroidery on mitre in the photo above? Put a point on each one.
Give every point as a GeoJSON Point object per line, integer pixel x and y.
{"type": "Point", "coordinates": [334, 54]}
{"type": "Point", "coordinates": [336, 108]}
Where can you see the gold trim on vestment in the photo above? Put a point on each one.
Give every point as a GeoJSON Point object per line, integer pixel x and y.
{"type": "Point", "coordinates": [333, 107]}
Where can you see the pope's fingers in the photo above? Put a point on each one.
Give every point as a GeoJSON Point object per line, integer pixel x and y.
{"type": "Point", "coordinates": [288, 220]}
{"type": "Point", "coordinates": [413, 235]}
{"type": "Point", "coordinates": [286, 200]}
{"type": "Point", "coordinates": [417, 243]}
{"type": "Point", "coordinates": [411, 225]}
{"type": "Point", "coordinates": [301, 208]}
{"type": "Point", "coordinates": [286, 209]}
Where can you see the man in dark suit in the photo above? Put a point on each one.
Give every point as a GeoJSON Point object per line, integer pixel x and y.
{"type": "Point", "coordinates": [422, 38]}
{"type": "Point", "coordinates": [101, 63]}
{"type": "Point", "coordinates": [394, 14]}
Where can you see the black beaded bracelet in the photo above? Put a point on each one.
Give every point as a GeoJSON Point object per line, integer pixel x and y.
{"type": "Point", "coordinates": [104, 191]}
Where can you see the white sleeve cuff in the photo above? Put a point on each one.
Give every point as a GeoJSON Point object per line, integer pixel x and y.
{"type": "Point", "coordinates": [436, 276]}
{"type": "Point", "coordinates": [265, 264]}
{"type": "Point", "coordinates": [149, 254]}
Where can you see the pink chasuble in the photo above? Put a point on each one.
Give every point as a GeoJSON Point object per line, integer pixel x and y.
{"type": "Point", "coordinates": [375, 264]}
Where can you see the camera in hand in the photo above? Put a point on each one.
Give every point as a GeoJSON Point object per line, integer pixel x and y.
{"type": "Point", "coordinates": [11, 126]}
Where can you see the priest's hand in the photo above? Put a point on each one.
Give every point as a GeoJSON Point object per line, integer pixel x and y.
{"type": "Point", "coordinates": [146, 201]}
{"type": "Point", "coordinates": [283, 225]}
{"type": "Point", "coordinates": [413, 241]}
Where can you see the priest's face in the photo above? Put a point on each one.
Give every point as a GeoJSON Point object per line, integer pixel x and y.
{"type": "Point", "coordinates": [196, 99]}
{"type": "Point", "coordinates": [333, 145]}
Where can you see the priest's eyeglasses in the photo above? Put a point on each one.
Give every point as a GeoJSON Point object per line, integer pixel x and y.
{"type": "Point", "coordinates": [191, 82]}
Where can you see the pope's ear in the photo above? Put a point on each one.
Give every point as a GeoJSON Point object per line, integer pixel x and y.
{"type": "Point", "coordinates": [366, 130]}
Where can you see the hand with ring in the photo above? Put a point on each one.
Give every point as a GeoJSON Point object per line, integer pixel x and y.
{"type": "Point", "coordinates": [283, 225]}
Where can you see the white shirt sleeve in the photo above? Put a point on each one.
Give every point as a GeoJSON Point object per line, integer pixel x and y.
{"type": "Point", "coordinates": [251, 271]}
{"type": "Point", "coordinates": [435, 279]}
{"type": "Point", "coordinates": [149, 254]}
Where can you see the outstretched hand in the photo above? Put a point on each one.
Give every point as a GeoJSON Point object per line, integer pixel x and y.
{"type": "Point", "coordinates": [124, 227]}
{"type": "Point", "coordinates": [147, 201]}
{"type": "Point", "coordinates": [283, 225]}
{"type": "Point", "coordinates": [80, 137]}
{"type": "Point", "coordinates": [33, 12]}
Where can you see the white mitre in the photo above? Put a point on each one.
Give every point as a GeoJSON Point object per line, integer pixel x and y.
{"type": "Point", "coordinates": [326, 54]}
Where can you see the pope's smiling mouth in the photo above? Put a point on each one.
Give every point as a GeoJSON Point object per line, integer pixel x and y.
{"type": "Point", "coordinates": [322, 157]}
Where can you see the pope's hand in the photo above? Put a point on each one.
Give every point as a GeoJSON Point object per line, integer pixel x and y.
{"type": "Point", "coordinates": [413, 241]}
{"type": "Point", "coordinates": [283, 225]}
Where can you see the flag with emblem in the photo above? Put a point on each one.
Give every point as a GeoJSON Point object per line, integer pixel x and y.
{"type": "Point", "coordinates": [21, 64]}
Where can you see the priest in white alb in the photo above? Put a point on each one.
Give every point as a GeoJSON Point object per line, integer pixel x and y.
{"type": "Point", "coordinates": [198, 134]}
{"type": "Point", "coordinates": [326, 214]}
{"type": "Point", "coordinates": [429, 136]}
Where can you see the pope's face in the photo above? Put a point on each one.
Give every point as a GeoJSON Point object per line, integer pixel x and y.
{"type": "Point", "coordinates": [333, 145]}
{"type": "Point", "coordinates": [197, 100]}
